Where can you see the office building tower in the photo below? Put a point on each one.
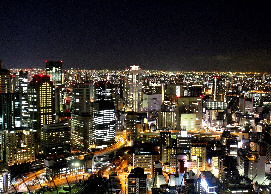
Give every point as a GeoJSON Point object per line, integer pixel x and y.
{"type": "Point", "coordinates": [104, 123]}
{"type": "Point", "coordinates": [172, 92]}
{"type": "Point", "coordinates": [165, 142]}
{"type": "Point", "coordinates": [81, 93]}
{"type": "Point", "coordinates": [103, 113]}
{"type": "Point", "coordinates": [208, 183]}
{"type": "Point", "coordinates": [145, 159]}
{"type": "Point", "coordinates": [199, 152]}
{"type": "Point", "coordinates": [23, 90]}
{"type": "Point", "coordinates": [152, 102]}
{"type": "Point", "coordinates": [137, 181]}
{"type": "Point", "coordinates": [55, 139]}
{"type": "Point", "coordinates": [217, 89]}
{"type": "Point", "coordinates": [167, 116]}
{"type": "Point", "coordinates": [246, 105]}
{"type": "Point", "coordinates": [195, 91]}
{"type": "Point", "coordinates": [133, 90]}
{"type": "Point", "coordinates": [82, 135]}
{"type": "Point", "coordinates": [158, 177]}
{"type": "Point", "coordinates": [19, 146]}
{"type": "Point", "coordinates": [41, 102]}
{"type": "Point", "coordinates": [5, 81]}
{"type": "Point", "coordinates": [103, 91]}
{"type": "Point", "coordinates": [134, 125]}
{"type": "Point", "coordinates": [189, 113]}
{"type": "Point", "coordinates": [10, 112]}
{"type": "Point", "coordinates": [184, 142]}
{"type": "Point", "coordinates": [54, 70]}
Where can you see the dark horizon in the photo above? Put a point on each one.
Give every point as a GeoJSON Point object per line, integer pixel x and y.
{"type": "Point", "coordinates": [169, 36]}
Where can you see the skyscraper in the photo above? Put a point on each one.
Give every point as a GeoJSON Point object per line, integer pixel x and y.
{"type": "Point", "coordinates": [19, 146]}
{"type": "Point", "coordinates": [137, 181]}
{"type": "Point", "coordinates": [55, 139]}
{"type": "Point", "coordinates": [5, 80]}
{"type": "Point", "coordinates": [103, 112]}
{"type": "Point", "coordinates": [23, 90]}
{"type": "Point", "coordinates": [80, 98]}
{"type": "Point", "coordinates": [10, 112]}
{"type": "Point", "coordinates": [41, 103]}
{"type": "Point", "coordinates": [54, 69]}
{"type": "Point", "coordinates": [133, 90]}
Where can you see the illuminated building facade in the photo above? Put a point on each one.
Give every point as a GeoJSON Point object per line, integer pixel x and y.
{"type": "Point", "coordinates": [133, 89]}
{"type": "Point", "coordinates": [10, 112]}
{"type": "Point", "coordinates": [200, 153]}
{"type": "Point", "coordinates": [137, 181]}
{"type": "Point", "coordinates": [103, 113]}
{"type": "Point", "coordinates": [54, 70]}
{"type": "Point", "coordinates": [208, 182]}
{"type": "Point", "coordinates": [41, 104]}
{"type": "Point", "coordinates": [151, 102]}
{"type": "Point", "coordinates": [5, 81]}
{"type": "Point", "coordinates": [19, 146]}
{"type": "Point", "coordinates": [23, 89]}
{"type": "Point", "coordinates": [81, 93]}
{"type": "Point", "coordinates": [189, 113]}
{"type": "Point", "coordinates": [55, 139]}
{"type": "Point", "coordinates": [82, 136]}
{"type": "Point", "coordinates": [145, 160]}
{"type": "Point", "coordinates": [215, 113]}
{"type": "Point", "coordinates": [104, 123]}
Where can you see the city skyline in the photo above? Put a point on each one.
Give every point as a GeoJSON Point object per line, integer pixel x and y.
{"type": "Point", "coordinates": [171, 35]}
{"type": "Point", "coordinates": [134, 131]}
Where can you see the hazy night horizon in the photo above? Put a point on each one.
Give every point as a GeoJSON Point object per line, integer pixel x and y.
{"type": "Point", "coordinates": [170, 35]}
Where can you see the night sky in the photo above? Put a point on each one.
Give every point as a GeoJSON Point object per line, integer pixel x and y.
{"type": "Point", "coordinates": [214, 35]}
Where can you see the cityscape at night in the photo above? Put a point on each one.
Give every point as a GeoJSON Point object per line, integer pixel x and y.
{"type": "Point", "coordinates": [134, 131]}
{"type": "Point", "coordinates": [135, 97]}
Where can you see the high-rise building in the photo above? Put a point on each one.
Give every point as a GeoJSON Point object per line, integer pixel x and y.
{"type": "Point", "coordinates": [134, 125]}
{"type": "Point", "coordinates": [152, 102]}
{"type": "Point", "coordinates": [137, 181]}
{"type": "Point", "coordinates": [10, 112]}
{"type": "Point", "coordinates": [145, 160]}
{"type": "Point", "coordinates": [217, 89]}
{"type": "Point", "coordinates": [54, 70]}
{"type": "Point", "coordinates": [199, 151]}
{"type": "Point", "coordinates": [81, 94]}
{"type": "Point", "coordinates": [172, 92]}
{"type": "Point", "coordinates": [23, 89]}
{"type": "Point", "coordinates": [41, 102]}
{"type": "Point", "coordinates": [19, 146]}
{"type": "Point", "coordinates": [189, 113]}
{"type": "Point", "coordinates": [82, 135]}
{"type": "Point", "coordinates": [55, 139]}
{"type": "Point", "coordinates": [5, 81]}
{"type": "Point", "coordinates": [103, 91]}
{"type": "Point", "coordinates": [133, 90]}
{"type": "Point", "coordinates": [104, 123]}
{"type": "Point", "coordinates": [103, 113]}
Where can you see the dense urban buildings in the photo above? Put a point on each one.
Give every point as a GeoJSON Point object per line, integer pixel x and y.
{"type": "Point", "coordinates": [147, 131]}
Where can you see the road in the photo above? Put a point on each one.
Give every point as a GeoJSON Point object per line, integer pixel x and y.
{"type": "Point", "coordinates": [21, 186]}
